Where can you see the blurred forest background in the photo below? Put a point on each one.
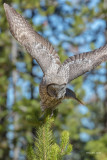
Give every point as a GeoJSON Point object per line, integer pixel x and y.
{"type": "Point", "coordinates": [72, 26]}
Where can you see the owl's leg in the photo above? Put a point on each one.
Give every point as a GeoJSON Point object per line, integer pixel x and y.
{"type": "Point", "coordinates": [70, 94]}
{"type": "Point", "coordinates": [46, 112]}
{"type": "Point", "coordinates": [52, 113]}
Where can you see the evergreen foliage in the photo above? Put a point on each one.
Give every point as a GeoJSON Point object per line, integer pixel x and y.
{"type": "Point", "coordinates": [44, 146]}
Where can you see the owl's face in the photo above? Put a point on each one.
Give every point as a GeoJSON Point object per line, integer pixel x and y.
{"type": "Point", "coordinates": [57, 91]}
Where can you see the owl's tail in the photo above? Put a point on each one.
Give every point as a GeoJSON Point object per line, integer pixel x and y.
{"type": "Point", "coordinates": [70, 94]}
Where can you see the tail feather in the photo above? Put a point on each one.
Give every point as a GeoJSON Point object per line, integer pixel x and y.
{"type": "Point", "coordinates": [71, 94]}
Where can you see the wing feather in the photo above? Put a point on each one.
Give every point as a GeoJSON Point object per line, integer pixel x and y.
{"type": "Point", "coordinates": [77, 65]}
{"type": "Point", "coordinates": [38, 47]}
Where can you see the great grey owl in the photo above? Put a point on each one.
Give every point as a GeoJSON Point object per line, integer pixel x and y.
{"type": "Point", "coordinates": [56, 75]}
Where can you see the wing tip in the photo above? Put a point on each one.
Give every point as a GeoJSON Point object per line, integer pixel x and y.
{"type": "Point", "coordinates": [6, 6]}
{"type": "Point", "coordinates": [81, 102]}
{"type": "Point", "coordinates": [8, 9]}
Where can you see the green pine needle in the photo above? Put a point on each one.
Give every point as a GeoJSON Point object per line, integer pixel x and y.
{"type": "Point", "coordinates": [45, 148]}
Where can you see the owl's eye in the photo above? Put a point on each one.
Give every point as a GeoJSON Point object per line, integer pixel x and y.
{"type": "Point", "coordinates": [52, 91]}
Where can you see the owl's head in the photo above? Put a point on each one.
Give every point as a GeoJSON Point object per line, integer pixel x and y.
{"type": "Point", "coordinates": [56, 90]}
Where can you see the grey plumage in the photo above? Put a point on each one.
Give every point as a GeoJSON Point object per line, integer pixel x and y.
{"type": "Point", "coordinates": [56, 75]}
{"type": "Point", "coordinates": [79, 64]}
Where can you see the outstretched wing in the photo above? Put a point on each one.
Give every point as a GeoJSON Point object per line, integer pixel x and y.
{"type": "Point", "coordinates": [77, 65]}
{"type": "Point", "coordinates": [37, 46]}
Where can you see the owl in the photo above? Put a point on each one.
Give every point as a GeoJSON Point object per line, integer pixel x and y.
{"type": "Point", "coordinates": [53, 87]}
